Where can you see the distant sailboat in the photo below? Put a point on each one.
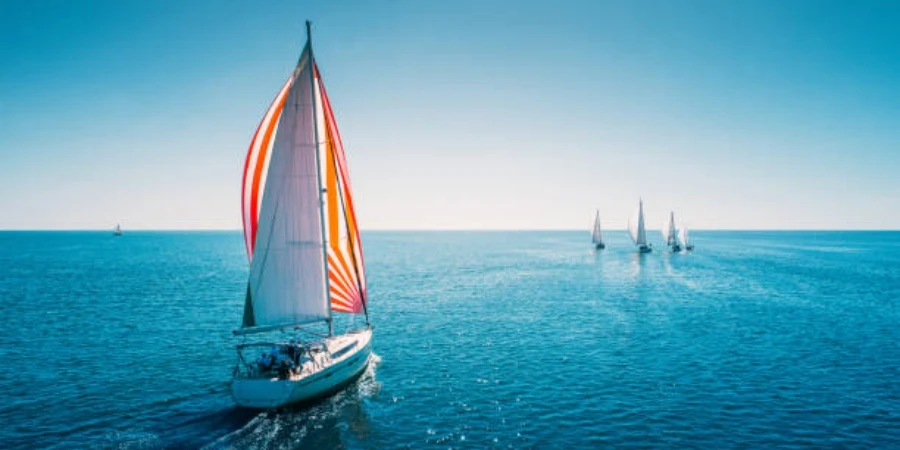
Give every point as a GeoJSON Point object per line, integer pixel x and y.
{"type": "Point", "coordinates": [637, 231]}
{"type": "Point", "coordinates": [118, 230]}
{"type": "Point", "coordinates": [306, 261]}
{"type": "Point", "coordinates": [683, 234]}
{"type": "Point", "coordinates": [670, 235]}
{"type": "Point", "coordinates": [596, 234]}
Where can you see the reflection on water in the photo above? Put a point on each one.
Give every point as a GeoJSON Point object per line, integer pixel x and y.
{"type": "Point", "coordinates": [493, 339]}
{"type": "Point", "coordinates": [638, 262]}
{"type": "Point", "coordinates": [670, 262]}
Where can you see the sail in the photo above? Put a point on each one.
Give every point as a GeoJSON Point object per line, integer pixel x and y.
{"type": "Point", "coordinates": [256, 166]}
{"type": "Point", "coordinates": [285, 240]}
{"type": "Point", "coordinates": [683, 234]}
{"type": "Point", "coordinates": [346, 271]}
{"type": "Point", "coordinates": [673, 234]}
{"type": "Point", "coordinates": [641, 238]}
{"type": "Point", "coordinates": [596, 234]}
{"type": "Point", "coordinates": [670, 234]}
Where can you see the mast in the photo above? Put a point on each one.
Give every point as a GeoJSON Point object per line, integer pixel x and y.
{"type": "Point", "coordinates": [315, 108]}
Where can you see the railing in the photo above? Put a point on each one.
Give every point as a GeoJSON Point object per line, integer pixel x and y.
{"type": "Point", "coordinates": [288, 361]}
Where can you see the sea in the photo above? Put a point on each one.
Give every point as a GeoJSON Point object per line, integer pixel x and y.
{"type": "Point", "coordinates": [484, 339]}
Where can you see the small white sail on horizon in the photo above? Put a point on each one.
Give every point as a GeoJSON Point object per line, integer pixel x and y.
{"type": "Point", "coordinates": [670, 234]}
{"type": "Point", "coordinates": [637, 231]}
{"type": "Point", "coordinates": [685, 241]}
{"type": "Point", "coordinates": [597, 233]}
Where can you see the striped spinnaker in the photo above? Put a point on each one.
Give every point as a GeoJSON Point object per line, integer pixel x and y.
{"type": "Point", "coordinates": [256, 166]}
{"type": "Point", "coordinates": [346, 270]}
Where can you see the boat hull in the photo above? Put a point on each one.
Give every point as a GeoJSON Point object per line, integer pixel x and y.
{"type": "Point", "coordinates": [264, 393]}
{"type": "Point", "coordinates": [645, 249]}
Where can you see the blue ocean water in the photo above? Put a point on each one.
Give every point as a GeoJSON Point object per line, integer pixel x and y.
{"type": "Point", "coordinates": [485, 339]}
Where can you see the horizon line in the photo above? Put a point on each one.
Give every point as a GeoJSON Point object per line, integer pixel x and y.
{"type": "Point", "coordinates": [446, 229]}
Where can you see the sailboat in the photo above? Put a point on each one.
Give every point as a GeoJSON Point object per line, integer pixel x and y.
{"type": "Point", "coordinates": [683, 234]}
{"type": "Point", "coordinates": [670, 235]}
{"type": "Point", "coordinates": [596, 234]}
{"type": "Point", "coordinates": [637, 231]}
{"type": "Point", "coordinates": [306, 260]}
{"type": "Point", "coordinates": [118, 230]}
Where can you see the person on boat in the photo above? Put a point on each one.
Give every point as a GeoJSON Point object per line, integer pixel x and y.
{"type": "Point", "coordinates": [275, 356]}
{"type": "Point", "coordinates": [264, 362]}
{"type": "Point", "coordinates": [291, 351]}
{"type": "Point", "coordinates": [284, 369]}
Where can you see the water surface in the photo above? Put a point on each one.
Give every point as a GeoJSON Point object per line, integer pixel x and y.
{"type": "Point", "coordinates": [484, 339]}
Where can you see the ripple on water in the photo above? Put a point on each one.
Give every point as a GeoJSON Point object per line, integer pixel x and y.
{"type": "Point", "coordinates": [486, 340]}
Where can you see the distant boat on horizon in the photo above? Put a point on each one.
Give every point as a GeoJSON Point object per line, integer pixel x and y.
{"type": "Point", "coordinates": [306, 260]}
{"type": "Point", "coordinates": [683, 234]}
{"type": "Point", "coordinates": [637, 232]}
{"type": "Point", "coordinates": [118, 230]}
{"type": "Point", "coordinates": [670, 235]}
{"type": "Point", "coordinates": [597, 234]}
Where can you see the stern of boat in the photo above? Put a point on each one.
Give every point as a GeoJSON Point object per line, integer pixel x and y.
{"type": "Point", "coordinates": [349, 356]}
{"type": "Point", "coordinates": [261, 393]}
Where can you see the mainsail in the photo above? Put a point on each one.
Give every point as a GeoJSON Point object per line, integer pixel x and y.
{"type": "Point", "coordinates": [673, 234]}
{"type": "Point", "coordinates": [636, 226]}
{"type": "Point", "coordinates": [300, 226]}
{"type": "Point", "coordinates": [670, 234]}
{"type": "Point", "coordinates": [596, 234]}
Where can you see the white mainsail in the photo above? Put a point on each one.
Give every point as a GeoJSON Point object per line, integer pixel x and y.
{"type": "Point", "coordinates": [670, 235]}
{"type": "Point", "coordinates": [596, 233]}
{"type": "Point", "coordinates": [287, 269]}
{"type": "Point", "coordinates": [636, 226]}
{"type": "Point", "coordinates": [641, 234]}
{"type": "Point", "coordinates": [683, 235]}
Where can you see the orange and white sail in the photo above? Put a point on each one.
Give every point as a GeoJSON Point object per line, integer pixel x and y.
{"type": "Point", "coordinates": [346, 271]}
{"type": "Point", "coordinates": [256, 166]}
{"type": "Point", "coordinates": [300, 226]}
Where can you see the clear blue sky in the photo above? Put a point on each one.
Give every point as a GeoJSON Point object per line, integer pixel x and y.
{"type": "Point", "coordinates": [461, 114]}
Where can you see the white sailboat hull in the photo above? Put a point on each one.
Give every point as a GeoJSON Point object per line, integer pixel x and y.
{"type": "Point", "coordinates": [309, 385]}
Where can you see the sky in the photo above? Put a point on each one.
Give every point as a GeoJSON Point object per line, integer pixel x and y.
{"type": "Point", "coordinates": [461, 114]}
